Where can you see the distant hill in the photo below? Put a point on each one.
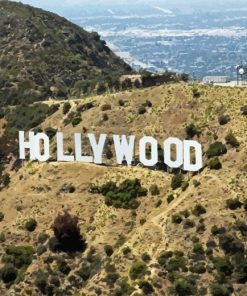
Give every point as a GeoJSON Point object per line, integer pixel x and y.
{"type": "Point", "coordinates": [44, 55]}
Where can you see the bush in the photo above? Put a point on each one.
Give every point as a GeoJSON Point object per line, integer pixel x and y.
{"type": "Point", "coordinates": [43, 237]}
{"type": "Point", "coordinates": [198, 248]}
{"type": "Point", "coordinates": [50, 132]}
{"type": "Point", "coordinates": [224, 119]}
{"type": "Point", "coordinates": [219, 290]}
{"type": "Point", "coordinates": [19, 256]}
{"type": "Point", "coordinates": [199, 267]}
{"type": "Point", "coordinates": [183, 287]}
{"type": "Point", "coordinates": [75, 121]}
{"type": "Point", "coordinates": [8, 273]}
{"type": "Point", "coordinates": [105, 107]}
{"type": "Point", "coordinates": [177, 181]}
{"type": "Point", "coordinates": [66, 107]}
{"type": "Point", "coordinates": [146, 287]}
{"type": "Point", "coordinates": [108, 250]}
{"type": "Point", "coordinates": [216, 149]}
{"type": "Point", "coordinates": [41, 281]}
{"type": "Point", "coordinates": [137, 270]}
{"type": "Point", "coordinates": [84, 272]}
{"type": "Point", "coordinates": [5, 180]}
{"type": "Point", "coordinates": [1, 216]}
{"type": "Point", "coordinates": [126, 250]}
{"type": "Point", "coordinates": [63, 266]}
{"type": "Point", "coordinates": [163, 257]}
{"type": "Point", "coordinates": [170, 198]}
{"type": "Point", "coordinates": [215, 164]}
{"type": "Point", "coordinates": [232, 140]}
{"type": "Point", "coordinates": [245, 204]}
{"type": "Point", "coordinates": [177, 219]}
{"type": "Point", "coordinates": [158, 203]}
{"type": "Point", "coordinates": [141, 110]}
{"type": "Point", "coordinates": [31, 224]}
{"type": "Point", "coordinates": [146, 257]}
{"type": "Point", "coordinates": [215, 230]}
{"type": "Point", "coordinates": [191, 131]}
{"type": "Point", "coordinates": [189, 223]}
{"type": "Point", "coordinates": [67, 232]}
{"type": "Point", "coordinates": [123, 196]}
{"type": "Point", "coordinates": [154, 190]}
{"type": "Point", "coordinates": [233, 203]}
{"type": "Point", "coordinates": [230, 244]}
{"type": "Point", "coordinates": [199, 210]}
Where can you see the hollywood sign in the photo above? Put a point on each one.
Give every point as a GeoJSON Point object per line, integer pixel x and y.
{"type": "Point", "coordinates": [38, 146]}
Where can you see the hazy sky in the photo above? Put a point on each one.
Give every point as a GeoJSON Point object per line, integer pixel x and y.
{"type": "Point", "coordinates": [164, 3]}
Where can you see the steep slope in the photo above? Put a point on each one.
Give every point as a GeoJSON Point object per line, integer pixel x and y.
{"type": "Point", "coordinates": [190, 240]}
{"type": "Point", "coordinates": [42, 55]}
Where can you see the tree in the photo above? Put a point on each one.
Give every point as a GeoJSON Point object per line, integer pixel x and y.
{"type": "Point", "coordinates": [67, 232]}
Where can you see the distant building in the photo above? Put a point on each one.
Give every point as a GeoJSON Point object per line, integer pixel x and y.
{"type": "Point", "coordinates": [216, 79]}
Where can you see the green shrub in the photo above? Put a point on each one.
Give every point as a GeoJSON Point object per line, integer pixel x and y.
{"type": "Point", "coordinates": [177, 181]}
{"type": "Point", "coordinates": [126, 250]}
{"type": "Point", "coordinates": [146, 257]}
{"type": "Point", "coordinates": [5, 180]}
{"type": "Point", "coordinates": [75, 121]}
{"type": "Point", "coordinates": [50, 132]}
{"type": "Point", "coordinates": [154, 190]}
{"type": "Point", "coordinates": [123, 196]}
{"type": "Point", "coordinates": [84, 272]}
{"type": "Point", "coordinates": [215, 230]}
{"type": "Point", "coordinates": [219, 290]}
{"type": "Point", "coordinates": [137, 270]}
{"type": "Point", "coordinates": [158, 203]}
{"type": "Point", "coordinates": [41, 281]}
{"type": "Point", "coordinates": [232, 140]}
{"type": "Point", "coordinates": [189, 223]}
{"type": "Point", "coordinates": [170, 198]}
{"type": "Point", "coordinates": [105, 107]}
{"type": "Point", "coordinates": [230, 244]}
{"type": "Point", "coordinates": [1, 216]}
{"type": "Point", "coordinates": [146, 287]}
{"type": "Point", "coordinates": [143, 221]}
{"type": "Point", "coordinates": [199, 210]}
{"type": "Point", "coordinates": [196, 93]}
{"type": "Point", "coordinates": [177, 219]}
{"type": "Point", "coordinates": [223, 265]}
{"type": "Point", "coordinates": [216, 149]}
{"type": "Point", "coordinates": [63, 266]}
{"type": "Point", "coordinates": [199, 267]}
{"type": "Point", "coordinates": [2, 237]}
{"type": "Point", "coordinates": [31, 224]}
{"type": "Point", "coordinates": [43, 237]}
{"type": "Point", "coordinates": [66, 107]}
{"type": "Point", "coordinates": [19, 256]}
{"type": "Point", "coordinates": [224, 119]}
{"type": "Point", "coordinates": [198, 248]}
{"type": "Point", "coordinates": [108, 250]}
{"type": "Point", "coordinates": [8, 273]}
{"type": "Point", "coordinates": [215, 164]}
{"type": "Point", "coordinates": [245, 204]}
{"type": "Point", "coordinates": [163, 257]}
{"type": "Point", "coordinates": [192, 130]}
{"type": "Point", "coordinates": [233, 203]}
{"type": "Point", "coordinates": [183, 287]}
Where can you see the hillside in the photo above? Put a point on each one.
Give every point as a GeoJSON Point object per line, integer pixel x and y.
{"type": "Point", "coordinates": [43, 55]}
{"type": "Point", "coordinates": [185, 236]}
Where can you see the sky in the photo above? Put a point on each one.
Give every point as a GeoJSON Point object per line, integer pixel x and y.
{"type": "Point", "coordinates": [198, 4]}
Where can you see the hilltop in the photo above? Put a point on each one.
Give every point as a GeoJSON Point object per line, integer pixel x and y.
{"type": "Point", "coordinates": [147, 232]}
{"type": "Point", "coordinates": [44, 55]}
